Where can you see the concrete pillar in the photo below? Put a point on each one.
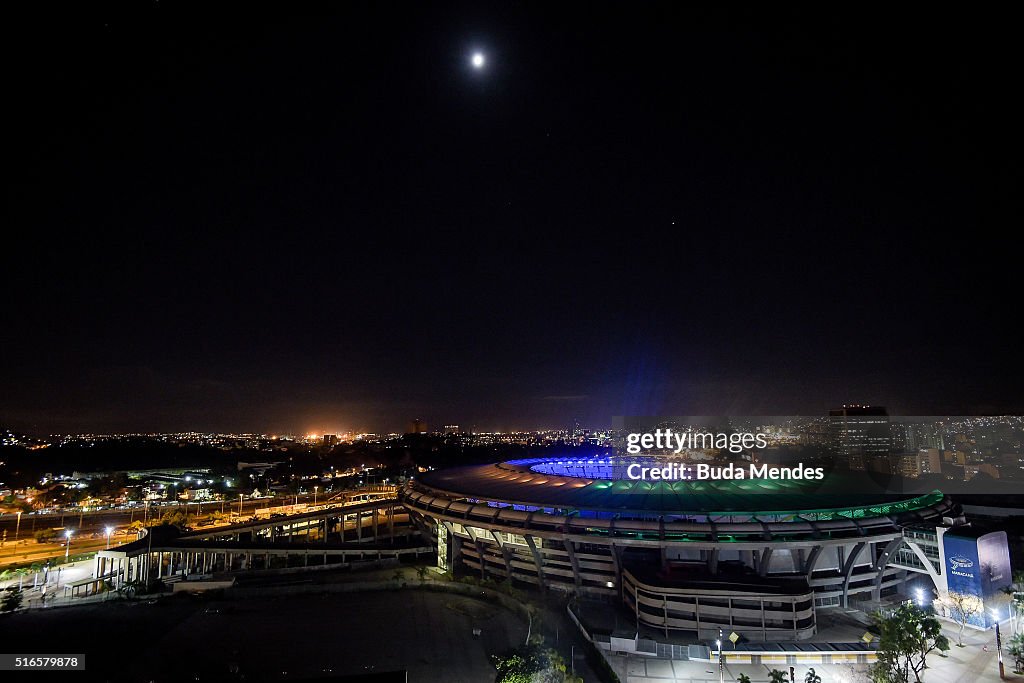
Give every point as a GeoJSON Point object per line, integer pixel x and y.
{"type": "Point", "coordinates": [713, 562]}
{"type": "Point", "coordinates": [537, 561]}
{"type": "Point", "coordinates": [571, 551]}
{"type": "Point", "coordinates": [765, 561]}
{"type": "Point", "coordinates": [359, 527]}
{"type": "Point", "coordinates": [848, 571]}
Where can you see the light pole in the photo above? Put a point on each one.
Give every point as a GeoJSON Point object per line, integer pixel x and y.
{"type": "Point", "coordinates": [721, 661]}
{"type": "Point", "coordinates": [239, 506]}
{"type": "Point", "coordinates": [315, 489]}
{"type": "Point", "coordinates": [17, 530]}
{"type": "Point", "coordinates": [920, 597]}
{"type": "Point", "coordinates": [109, 531]}
{"type": "Point", "coordinates": [999, 645]}
{"type": "Point", "coordinates": [67, 546]}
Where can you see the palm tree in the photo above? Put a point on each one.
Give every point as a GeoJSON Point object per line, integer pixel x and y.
{"type": "Point", "coordinates": [744, 678]}
{"type": "Point", "coordinates": [130, 589]}
{"type": "Point", "coordinates": [812, 676]}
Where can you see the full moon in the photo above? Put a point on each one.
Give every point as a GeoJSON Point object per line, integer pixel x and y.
{"type": "Point", "coordinates": [478, 60]}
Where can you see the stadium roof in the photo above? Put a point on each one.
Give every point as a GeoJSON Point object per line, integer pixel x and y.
{"type": "Point", "coordinates": [515, 483]}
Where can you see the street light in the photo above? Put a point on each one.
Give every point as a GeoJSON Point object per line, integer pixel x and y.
{"type": "Point", "coordinates": [109, 531]}
{"type": "Point", "coordinates": [67, 547]}
{"type": "Point", "coordinates": [239, 505]}
{"type": "Point", "coordinates": [16, 531]}
{"type": "Point", "coordinates": [721, 662]}
{"type": "Point", "coordinates": [920, 597]}
{"type": "Point", "coordinates": [315, 489]}
{"type": "Point", "coordinates": [999, 645]}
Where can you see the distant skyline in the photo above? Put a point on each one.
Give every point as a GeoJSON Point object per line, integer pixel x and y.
{"type": "Point", "coordinates": [239, 219]}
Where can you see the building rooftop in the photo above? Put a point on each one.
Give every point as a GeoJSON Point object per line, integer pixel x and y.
{"type": "Point", "coordinates": [519, 483]}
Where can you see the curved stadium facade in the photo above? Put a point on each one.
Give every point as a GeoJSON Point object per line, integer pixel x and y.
{"type": "Point", "coordinates": [753, 556]}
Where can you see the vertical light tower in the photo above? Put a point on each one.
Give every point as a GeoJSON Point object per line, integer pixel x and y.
{"type": "Point", "coordinates": [109, 531]}
{"type": "Point", "coordinates": [17, 531]}
{"type": "Point", "coordinates": [999, 645]}
{"type": "Point", "coordinates": [721, 659]}
{"type": "Point", "coordinates": [67, 546]}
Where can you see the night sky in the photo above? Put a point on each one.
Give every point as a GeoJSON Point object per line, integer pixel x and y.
{"type": "Point", "coordinates": [271, 221]}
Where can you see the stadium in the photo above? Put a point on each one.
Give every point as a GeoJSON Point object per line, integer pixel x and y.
{"type": "Point", "coordinates": [757, 557]}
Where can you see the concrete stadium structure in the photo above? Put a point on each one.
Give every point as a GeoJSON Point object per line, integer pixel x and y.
{"type": "Point", "coordinates": [756, 557]}
{"type": "Point", "coordinates": [365, 527]}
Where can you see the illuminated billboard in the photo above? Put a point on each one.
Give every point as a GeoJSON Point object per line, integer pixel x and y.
{"type": "Point", "coordinates": [978, 565]}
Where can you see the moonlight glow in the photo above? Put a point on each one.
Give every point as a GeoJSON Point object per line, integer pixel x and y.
{"type": "Point", "coordinates": [478, 60]}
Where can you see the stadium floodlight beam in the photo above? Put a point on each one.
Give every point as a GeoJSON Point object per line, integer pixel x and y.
{"type": "Point", "coordinates": [67, 546]}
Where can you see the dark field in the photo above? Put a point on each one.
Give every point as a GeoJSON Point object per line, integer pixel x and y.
{"type": "Point", "coordinates": [277, 638]}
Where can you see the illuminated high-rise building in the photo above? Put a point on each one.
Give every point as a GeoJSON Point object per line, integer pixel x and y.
{"type": "Point", "coordinates": [860, 434]}
{"type": "Point", "coordinates": [417, 426]}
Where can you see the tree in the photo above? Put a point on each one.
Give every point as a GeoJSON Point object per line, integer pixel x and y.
{"type": "Point", "coordinates": [812, 676]}
{"type": "Point", "coordinates": [961, 607]}
{"type": "Point", "coordinates": [176, 518]}
{"type": "Point", "coordinates": [776, 676]}
{"type": "Point", "coordinates": [532, 664]}
{"type": "Point", "coordinates": [744, 678]}
{"type": "Point", "coordinates": [906, 637]}
{"type": "Point", "coordinates": [11, 600]}
{"type": "Point", "coordinates": [45, 535]}
{"type": "Point", "coordinates": [130, 589]}
{"type": "Point", "coordinates": [1016, 650]}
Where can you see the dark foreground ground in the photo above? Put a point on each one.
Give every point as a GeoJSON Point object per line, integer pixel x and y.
{"type": "Point", "coordinates": [277, 638]}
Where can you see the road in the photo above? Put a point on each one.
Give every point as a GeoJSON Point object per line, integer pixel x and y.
{"type": "Point", "coordinates": [89, 522]}
{"type": "Point", "coordinates": [91, 536]}
{"type": "Point", "coordinates": [973, 663]}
